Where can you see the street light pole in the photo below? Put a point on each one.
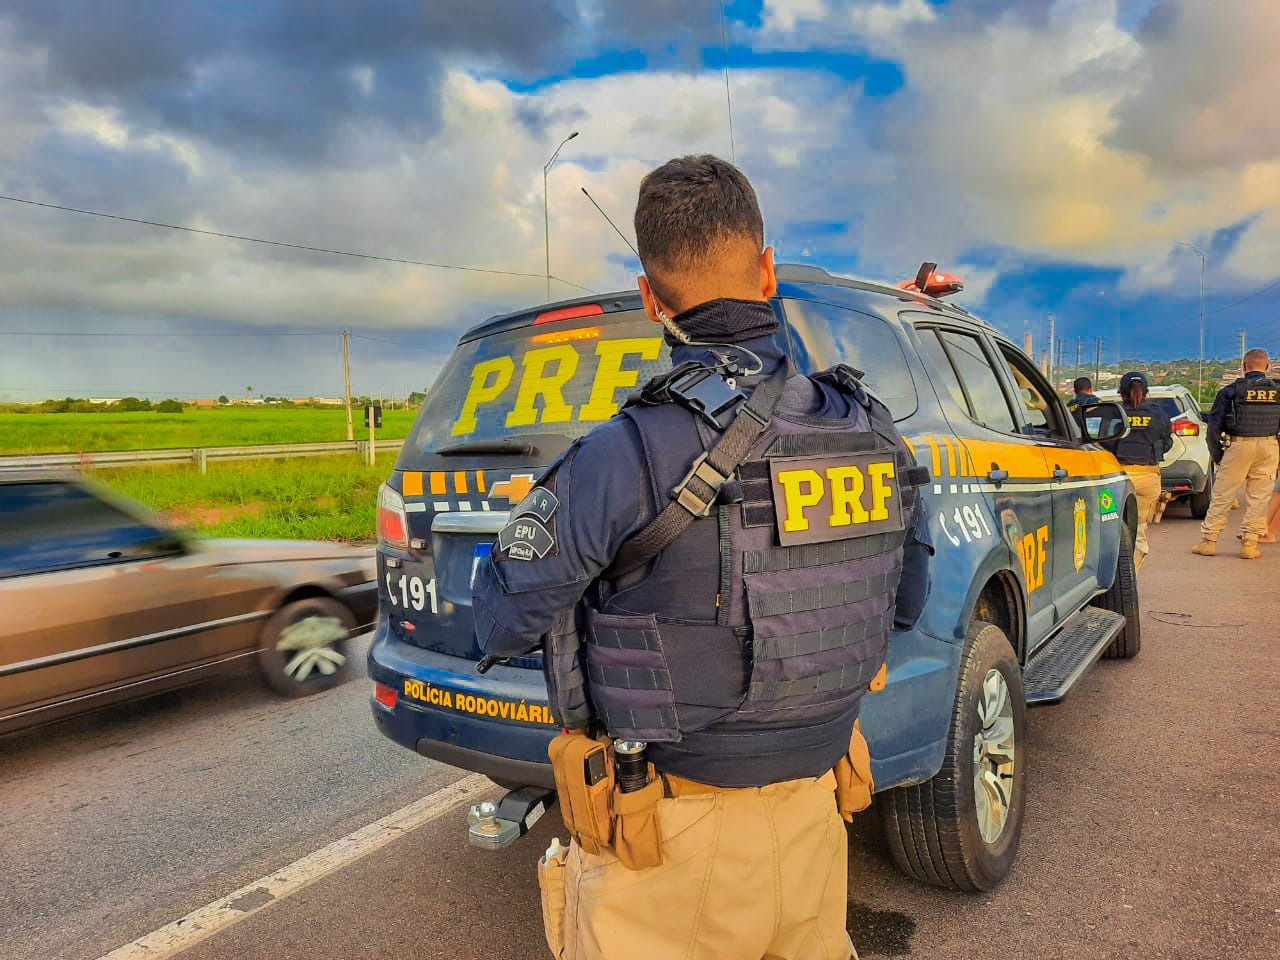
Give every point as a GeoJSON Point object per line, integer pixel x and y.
{"type": "Point", "coordinates": [1200, 368]}
{"type": "Point", "coordinates": [546, 220]}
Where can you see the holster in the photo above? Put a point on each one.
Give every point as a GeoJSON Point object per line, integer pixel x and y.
{"type": "Point", "coordinates": [854, 784]}
{"type": "Point", "coordinates": [598, 816]}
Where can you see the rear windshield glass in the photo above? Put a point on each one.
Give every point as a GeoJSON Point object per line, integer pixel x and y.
{"type": "Point", "coordinates": [1168, 404]}
{"type": "Point", "coordinates": [562, 378]}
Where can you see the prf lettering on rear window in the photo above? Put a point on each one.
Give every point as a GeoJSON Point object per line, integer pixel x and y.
{"type": "Point", "coordinates": [543, 375]}
{"type": "Point", "coordinates": [834, 498]}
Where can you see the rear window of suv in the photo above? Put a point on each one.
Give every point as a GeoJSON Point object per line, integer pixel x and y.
{"type": "Point", "coordinates": [563, 378]}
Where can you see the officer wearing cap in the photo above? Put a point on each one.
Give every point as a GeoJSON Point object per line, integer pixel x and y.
{"type": "Point", "coordinates": [737, 580]}
{"type": "Point", "coordinates": [1140, 451]}
{"type": "Point", "coordinates": [1247, 413]}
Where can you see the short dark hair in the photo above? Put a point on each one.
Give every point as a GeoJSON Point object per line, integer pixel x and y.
{"type": "Point", "coordinates": [687, 209]}
{"type": "Point", "coordinates": [1256, 357]}
{"type": "Point", "coordinates": [1082, 384]}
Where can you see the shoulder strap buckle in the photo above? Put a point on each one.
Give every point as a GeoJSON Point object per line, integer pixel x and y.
{"type": "Point", "coordinates": [700, 504]}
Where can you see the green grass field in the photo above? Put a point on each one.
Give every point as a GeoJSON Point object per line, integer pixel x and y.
{"type": "Point", "coordinates": [306, 498]}
{"type": "Point", "coordinates": [217, 427]}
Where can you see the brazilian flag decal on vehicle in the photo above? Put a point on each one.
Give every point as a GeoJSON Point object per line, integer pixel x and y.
{"type": "Point", "coordinates": [1107, 506]}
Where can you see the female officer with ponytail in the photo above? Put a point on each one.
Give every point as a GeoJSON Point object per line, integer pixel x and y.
{"type": "Point", "coordinates": [1150, 437]}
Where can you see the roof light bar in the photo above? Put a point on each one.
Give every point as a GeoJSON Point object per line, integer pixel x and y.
{"type": "Point", "coordinates": [932, 283]}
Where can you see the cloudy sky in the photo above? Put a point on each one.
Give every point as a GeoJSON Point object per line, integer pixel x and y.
{"type": "Point", "coordinates": [1052, 153]}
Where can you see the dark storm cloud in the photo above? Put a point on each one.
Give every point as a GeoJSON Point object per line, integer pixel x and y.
{"type": "Point", "coordinates": [282, 77]}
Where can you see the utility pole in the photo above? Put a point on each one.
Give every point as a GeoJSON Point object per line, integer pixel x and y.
{"type": "Point", "coordinates": [1077, 367]}
{"type": "Point", "coordinates": [1044, 361]}
{"type": "Point", "coordinates": [1097, 365]}
{"type": "Point", "coordinates": [1057, 365]}
{"type": "Point", "coordinates": [1200, 367]}
{"type": "Point", "coordinates": [346, 370]}
{"type": "Point", "coordinates": [546, 219]}
{"type": "Point", "coordinates": [1027, 344]}
{"type": "Point", "coordinates": [1052, 344]}
{"type": "Point", "coordinates": [1242, 352]}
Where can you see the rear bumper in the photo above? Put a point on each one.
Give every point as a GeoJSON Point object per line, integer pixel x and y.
{"type": "Point", "coordinates": [464, 733]}
{"type": "Point", "coordinates": [1183, 478]}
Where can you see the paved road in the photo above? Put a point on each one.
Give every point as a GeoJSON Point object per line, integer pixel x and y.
{"type": "Point", "coordinates": [1152, 828]}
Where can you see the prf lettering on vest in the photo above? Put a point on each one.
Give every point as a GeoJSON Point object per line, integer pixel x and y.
{"type": "Point", "coordinates": [835, 498]}
{"type": "Point", "coordinates": [1139, 421]}
{"type": "Point", "coordinates": [1261, 396]}
{"type": "Point", "coordinates": [543, 375]}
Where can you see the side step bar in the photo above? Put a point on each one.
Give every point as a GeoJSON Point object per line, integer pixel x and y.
{"type": "Point", "coordinates": [1056, 666]}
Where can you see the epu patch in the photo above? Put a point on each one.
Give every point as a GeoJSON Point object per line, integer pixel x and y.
{"type": "Point", "coordinates": [531, 531]}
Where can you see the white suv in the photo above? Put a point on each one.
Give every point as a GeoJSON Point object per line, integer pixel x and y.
{"type": "Point", "coordinates": [1187, 469]}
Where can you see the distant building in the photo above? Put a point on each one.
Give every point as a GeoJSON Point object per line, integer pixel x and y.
{"type": "Point", "coordinates": [105, 399]}
{"type": "Point", "coordinates": [206, 403]}
{"type": "Point", "coordinates": [322, 401]}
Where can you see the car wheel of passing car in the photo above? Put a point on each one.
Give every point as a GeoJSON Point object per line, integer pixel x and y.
{"type": "Point", "coordinates": [1199, 502]}
{"type": "Point", "coordinates": [302, 649]}
{"type": "Point", "coordinates": [961, 828]}
{"type": "Point", "coordinates": [1122, 598]}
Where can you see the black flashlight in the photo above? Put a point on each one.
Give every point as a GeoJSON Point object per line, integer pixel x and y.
{"type": "Point", "coordinates": [630, 768]}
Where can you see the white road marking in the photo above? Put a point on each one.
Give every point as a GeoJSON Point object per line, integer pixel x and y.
{"type": "Point", "coordinates": [227, 911]}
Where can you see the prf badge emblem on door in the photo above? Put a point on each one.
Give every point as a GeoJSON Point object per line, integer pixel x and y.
{"type": "Point", "coordinates": [1081, 547]}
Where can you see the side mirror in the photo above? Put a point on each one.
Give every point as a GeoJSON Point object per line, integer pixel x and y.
{"type": "Point", "coordinates": [1104, 421]}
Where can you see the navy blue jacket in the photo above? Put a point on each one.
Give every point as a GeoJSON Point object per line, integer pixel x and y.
{"type": "Point", "coordinates": [1217, 417]}
{"type": "Point", "coordinates": [605, 497]}
{"type": "Point", "coordinates": [1150, 436]}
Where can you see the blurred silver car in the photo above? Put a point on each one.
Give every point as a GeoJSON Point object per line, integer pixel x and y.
{"type": "Point", "coordinates": [99, 603]}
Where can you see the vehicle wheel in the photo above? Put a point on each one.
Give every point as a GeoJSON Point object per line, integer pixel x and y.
{"type": "Point", "coordinates": [1122, 598]}
{"type": "Point", "coordinates": [302, 649]}
{"type": "Point", "coordinates": [1199, 502]}
{"type": "Point", "coordinates": [961, 828]}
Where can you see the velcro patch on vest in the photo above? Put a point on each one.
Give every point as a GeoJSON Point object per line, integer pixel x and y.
{"type": "Point", "coordinates": [524, 538]}
{"type": "Point", "coordinates": [1270, 395]}
{"type": "Point", "coordinates": [540, 503]}
{"type": "Point", "coordinates": [818, 499]}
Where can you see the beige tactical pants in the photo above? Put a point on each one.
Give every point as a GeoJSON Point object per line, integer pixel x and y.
{"type": "Point", "coordinates": [752, 873]}
{"type": "Point", "coordinates": [1146, 487]}
{"type": "Point", "coordinates": [1249, 463]}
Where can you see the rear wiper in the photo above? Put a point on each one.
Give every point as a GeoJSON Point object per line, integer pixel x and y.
{"type": "Point", "coordinates": [502, 448]}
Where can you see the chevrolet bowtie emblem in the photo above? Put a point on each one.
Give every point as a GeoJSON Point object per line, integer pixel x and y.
{"type": "Point", "coordinates": [515, 489]}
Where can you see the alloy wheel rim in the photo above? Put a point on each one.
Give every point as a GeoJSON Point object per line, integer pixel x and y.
{"type": "Point", "coordinates": [313, 638]}
{"type": "Point", "coordinates": [994, 756]}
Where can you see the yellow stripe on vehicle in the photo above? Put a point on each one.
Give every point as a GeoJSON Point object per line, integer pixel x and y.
{"type": "Point", "coordinates": [480, 487]}
{"type": "Point", "coordinates": [460, 481]}
{"type": "Point", "coordinates": [411, 484]}
{"type": "Point", "coordinates": [937, 459]}
{"type": "Point", "coordinates": [438, 488]}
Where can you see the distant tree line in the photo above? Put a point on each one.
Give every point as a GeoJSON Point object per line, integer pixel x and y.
{"type": "Point", "coordinates": [78, 405]}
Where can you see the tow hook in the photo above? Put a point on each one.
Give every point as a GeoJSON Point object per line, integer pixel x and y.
{"type": "Point", "coordinates": [492, 826]}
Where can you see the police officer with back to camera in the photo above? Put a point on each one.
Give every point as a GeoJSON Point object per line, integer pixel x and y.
{"type": "Point", "coordinates": [730, 549]}
{"type": "Point", "coordinates": [1247, 412]}
{"type": "Point", "coordinates": [1140, 451]}
{"type": "Point", "coordinates": [1084, 397]}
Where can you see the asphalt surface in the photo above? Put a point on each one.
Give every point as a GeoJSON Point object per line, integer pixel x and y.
{"type": "Point", "coordinates": [1152, 827]}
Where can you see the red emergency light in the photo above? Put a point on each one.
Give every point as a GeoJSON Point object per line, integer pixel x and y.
{"type": "Point", "coordinates": [932, 283]}
{"type": "Point", "coordinates": [569, 313]}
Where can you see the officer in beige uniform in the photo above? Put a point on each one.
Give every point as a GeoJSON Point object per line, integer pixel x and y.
{"type": "Point", "coordinates": [717, 572]}
{"type": "Point", "coordinates": [1247, 412]}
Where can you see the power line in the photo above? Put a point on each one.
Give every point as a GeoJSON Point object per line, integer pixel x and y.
{"type": "Point", "coordinates": [281, 243]}
{"type": "Point", "coordinates": [728, 101]}
{"type": "Point", "coordinates": [150, 333]}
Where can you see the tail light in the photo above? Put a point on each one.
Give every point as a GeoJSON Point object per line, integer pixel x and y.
{"type": "Point", "coordinates": [393, 526]}
{"type": "Point", "coordinates": [1185, 427]}
{"type": "Point", "coordinates": [384, 695]}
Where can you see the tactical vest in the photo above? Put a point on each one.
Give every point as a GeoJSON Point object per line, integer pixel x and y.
{"type": "Point", "coordinates": [1144, 443]}
{"type": "Point", "coordinates": [1255, 408]}
{"type": "Point", "coordinates": [762, 617]}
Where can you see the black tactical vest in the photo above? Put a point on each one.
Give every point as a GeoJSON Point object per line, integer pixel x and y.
{"type": "Point", "coordinates": [1144, 443]}
{"type": "Point", "coordinates": [742, 651]}
{"type": "Point", "coordinates": [1255, 408]}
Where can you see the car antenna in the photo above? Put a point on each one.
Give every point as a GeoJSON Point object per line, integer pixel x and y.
{"type": "Point", "coordinates": [611, 223]}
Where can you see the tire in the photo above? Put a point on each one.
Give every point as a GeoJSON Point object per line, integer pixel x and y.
{"type": "Point", "coordinates": [934, 828]}
{"type": "Point", "coordinates": [1122, 598]}
{"type": "Point", "coordinates": [274, 662]}
{"type": "Point", "coordinates": [1199, 502]}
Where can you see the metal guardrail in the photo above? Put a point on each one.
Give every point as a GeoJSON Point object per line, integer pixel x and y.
{"type": "Point", "coordinates": [200, 456]}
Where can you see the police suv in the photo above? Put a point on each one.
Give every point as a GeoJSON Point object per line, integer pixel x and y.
{"type": "Point", "coordinates": [1033, 524]}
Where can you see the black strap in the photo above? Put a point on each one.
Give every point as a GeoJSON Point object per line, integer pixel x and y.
{"type": "Point", "coordinates": [695, 495]}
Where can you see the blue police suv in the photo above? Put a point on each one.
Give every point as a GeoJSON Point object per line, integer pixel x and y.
{"type": "Point", "coordinates": [1033, 524]}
